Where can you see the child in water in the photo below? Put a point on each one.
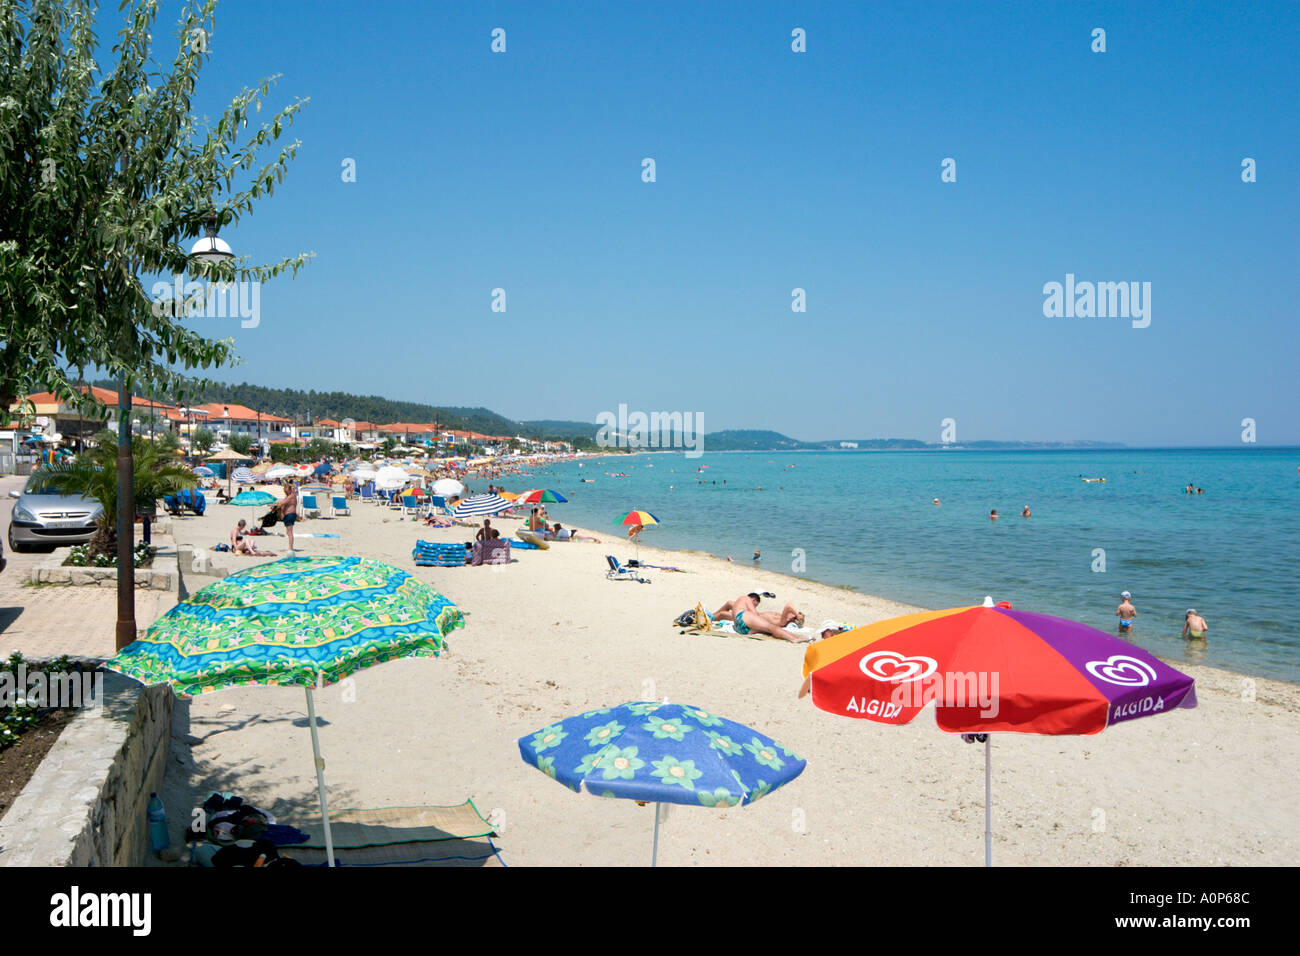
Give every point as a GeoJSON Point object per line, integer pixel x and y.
{"type": "Point", "coordinates": [1126, 612]}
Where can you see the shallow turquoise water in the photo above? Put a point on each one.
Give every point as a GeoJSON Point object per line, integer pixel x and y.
{"type": "Point", "coordinates": [865, 519]}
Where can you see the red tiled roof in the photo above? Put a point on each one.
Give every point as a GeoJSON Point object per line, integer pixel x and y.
{"type": "Point", "coordinates": [217, 412]}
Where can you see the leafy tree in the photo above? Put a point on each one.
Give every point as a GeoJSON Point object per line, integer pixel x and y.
{"type": "Point", "coordinates": [319, 447]}
{"type": "Point", "coordinates": [389, 444]}
{"type": "Point", "coordinates": [203, 439]}
{"type": "Point", "coordinates": [104, 177]}
{"type": "Point", "coordinates": [241, 442]}
{"type": "Point", "coordinates": [167, 443]}
{"type": "Point", "coordinates": [93, 473]}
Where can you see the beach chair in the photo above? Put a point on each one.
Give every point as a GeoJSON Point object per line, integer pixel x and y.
{"type": "Point", "coordinates": [617, 572]}
{"type": "Point", "coordinates": [491, 552]}
{"type": "Point", "coordinates": [410, 505]}
{"type": "Point", "coordinates": [340, 505]}
{"type": "Point", "coordinates": [310, 509]}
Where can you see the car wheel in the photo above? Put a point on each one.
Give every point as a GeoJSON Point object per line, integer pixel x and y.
{"type": "Point", "coordinates": [15, 545]}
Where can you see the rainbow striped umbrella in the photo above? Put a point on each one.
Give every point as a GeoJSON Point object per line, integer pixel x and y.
{"type": "Point", "coordinates": [637, 517]}
{"type": "Point", "coordinates": [541, 496]}
{"type": "Point", "coordinates": [299, 620]}
{"type": "Point", "coordinates": [991, 669]}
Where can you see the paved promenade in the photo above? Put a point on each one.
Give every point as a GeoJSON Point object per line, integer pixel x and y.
{"type": "Point", "coordinates": [44, 622]}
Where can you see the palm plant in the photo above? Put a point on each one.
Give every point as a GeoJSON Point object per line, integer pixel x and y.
{"type": "Point", "coordinates": [93, 473]}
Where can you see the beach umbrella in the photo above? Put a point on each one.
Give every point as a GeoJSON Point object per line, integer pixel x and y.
{"type": "Point", "coordinates": [308, 621]}
{"type": "Point", "coordinates": [278, 472]}
{"type": "Point", "coordinates": [390, 478]}
{"type": "Point", "coordinates": [322, 469]}
{"type": "Point", "coordinates": [203, 471]}
{"type": "Point", "coordinates": [254, 498]}
{"type": "Point", "coordinates": [448, 488]}
{"type": "Point", "coordinates": [634, 518]}
{"type": "Point", "coordinates": [661, 753]}
{"type": "Point", "coordinates": [481, 505]}
{"type": "Point", "coordinates": [243, 475]}
{"type": "Point", "coordinates": [541, 496]}
{"type": "Point", "coordinates": [991, 669]}
{"type": "Point", "coordinates": [302, 470]}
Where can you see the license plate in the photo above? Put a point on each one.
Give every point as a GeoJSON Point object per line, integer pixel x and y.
{"type": "Point", "coordinates": [63, 523]}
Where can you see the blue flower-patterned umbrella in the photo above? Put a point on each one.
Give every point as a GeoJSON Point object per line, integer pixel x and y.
{"type": "Point", "coordinates": [661, 753]}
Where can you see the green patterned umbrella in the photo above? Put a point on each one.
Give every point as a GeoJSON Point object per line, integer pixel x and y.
{"type": "Point", "coordinates": [299, 620]}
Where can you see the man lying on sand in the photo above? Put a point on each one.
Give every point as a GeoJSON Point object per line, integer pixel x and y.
{"type": "Point", "coordinates": [744, 613]}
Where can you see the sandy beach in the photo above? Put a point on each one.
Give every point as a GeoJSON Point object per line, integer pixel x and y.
{"type": "Point", "coordinates": [548, 637]}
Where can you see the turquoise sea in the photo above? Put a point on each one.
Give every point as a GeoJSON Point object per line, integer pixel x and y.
{"type": "Point", "coordinates": [865, 520]}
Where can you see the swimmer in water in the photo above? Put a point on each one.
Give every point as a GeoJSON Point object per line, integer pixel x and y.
{"type": "Point", "coordinates": [994, 514]}
{"type": "Point", "coordinates": [1194, 626]}
{"type": "Point", "coordinates": [1126, 612]}
{"type": "Point", "coordinates": [1026, 513]}
{"type": "Point", "coordinates": [935, 502]}
{"type": "Point", "coordinates": [758, 555]}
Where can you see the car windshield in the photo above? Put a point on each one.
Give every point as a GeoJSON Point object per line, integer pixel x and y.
{"type": "Point", "coordinates": [36, 485]}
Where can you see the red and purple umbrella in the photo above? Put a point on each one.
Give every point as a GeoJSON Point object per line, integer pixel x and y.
{"type": "Point", "coordinates": [991, 669]}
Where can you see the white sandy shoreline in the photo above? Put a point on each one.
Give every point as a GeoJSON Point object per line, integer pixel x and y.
{"type": "Point", "coordinates": [548, 637]}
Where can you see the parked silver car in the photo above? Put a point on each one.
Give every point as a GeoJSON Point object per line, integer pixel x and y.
{"type": "Point", "coordinates": [44, 519]}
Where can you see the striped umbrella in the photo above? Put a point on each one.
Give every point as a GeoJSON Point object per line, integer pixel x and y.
{"type": "Point", "coordinates": [637, 517]}
{"type": "Point", "coordinates": [203, 471]}
{"type": "Point", "coordinates": [661, 753]}
{"type": "Point", "coordinates": [276, 472]}
{"type": "Point", "coordinates": [637, 520]}
{"type": "Point", "coordinates": [299, 620]}
{"type": "Point", "coordinates": [541, 496]}
{"type": "Point", "coordinates": [990, 669]}
{"type": "Point", "coordinates": [481, 505]}
{"type": "Point", "coordinates": [243, 475]}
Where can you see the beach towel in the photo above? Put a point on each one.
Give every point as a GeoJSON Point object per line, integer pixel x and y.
{"type": "Point", "coordinates": [352, 828]}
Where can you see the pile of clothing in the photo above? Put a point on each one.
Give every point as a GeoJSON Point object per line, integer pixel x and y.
{"type": "Point", "coordinates": [227, 831]}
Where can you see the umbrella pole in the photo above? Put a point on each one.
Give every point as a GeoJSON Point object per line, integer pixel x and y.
{"type": "Point", "coordinates": [988, 801]}
{"type": "Point", "coordinates": [654, 856]}
{"type": "Point", "coordinates": [320, 776]}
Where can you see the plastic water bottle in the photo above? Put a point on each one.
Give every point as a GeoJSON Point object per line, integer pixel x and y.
{"type": "Point", "coordinates": [158, 837]}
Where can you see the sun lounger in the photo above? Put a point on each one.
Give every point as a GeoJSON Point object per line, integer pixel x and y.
{"type": "Point", "coordinates": [431, 554]}
{"type": "Point", "coordinates": [340, 505]}
{"type": "Point", "coordinates": [617, 572]}
{"type": "Point", "coordinates": [309, 507]}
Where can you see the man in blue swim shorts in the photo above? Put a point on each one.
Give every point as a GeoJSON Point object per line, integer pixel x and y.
{"type": "Point", "coordinates": [746, 616]}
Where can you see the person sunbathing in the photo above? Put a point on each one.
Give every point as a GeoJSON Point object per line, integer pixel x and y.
{"type": "Point", "coordinates": [743, 612]}
{"type": "Point", "coordinates": [241, 545]}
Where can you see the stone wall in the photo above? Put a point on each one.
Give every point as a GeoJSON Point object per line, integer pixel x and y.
{"type": "Point", "coordinates": [161, 576]}
{"type": "Point", "coordinates": [86, 804]}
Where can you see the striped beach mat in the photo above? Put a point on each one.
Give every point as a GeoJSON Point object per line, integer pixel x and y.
{"type": "Point", "coordinates": [402, 836]}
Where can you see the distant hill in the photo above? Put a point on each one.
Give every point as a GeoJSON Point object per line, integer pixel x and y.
{"type": "Point", "coordinates": [312, 406]}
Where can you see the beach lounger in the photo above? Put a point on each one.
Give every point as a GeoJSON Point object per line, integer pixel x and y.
{"type": "Point", "coordinates": [309, 507]}
{"type": "Point", "coordinates": [340, 505]}
{"type": "Point", "coordinates": [617, 572]}
{"type": "Point", "coordinates": [411, 505]}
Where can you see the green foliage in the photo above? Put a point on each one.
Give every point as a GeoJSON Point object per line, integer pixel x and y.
{"type": "Point", "coordinates": [319, 448]}
{"type": "Point", "coordinates": [16, 719]}
{"type": "Point", "coordinates": [106, 176]}
{"type": "Point", "coordinates": [203, 439]}
{"type": "Point", "coordinates": [93, 473]}
{"type": "Point", "coordinates": [241, 442]}
{"type": "Point", "coordinates": [167, 443]}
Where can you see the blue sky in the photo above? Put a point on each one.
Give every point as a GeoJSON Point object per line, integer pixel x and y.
{"type": "Point", "coordinates": [776, 170]}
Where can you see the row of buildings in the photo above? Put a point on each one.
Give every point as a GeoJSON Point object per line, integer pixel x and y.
{"type": "Point", "coordinates": [43, 415]}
